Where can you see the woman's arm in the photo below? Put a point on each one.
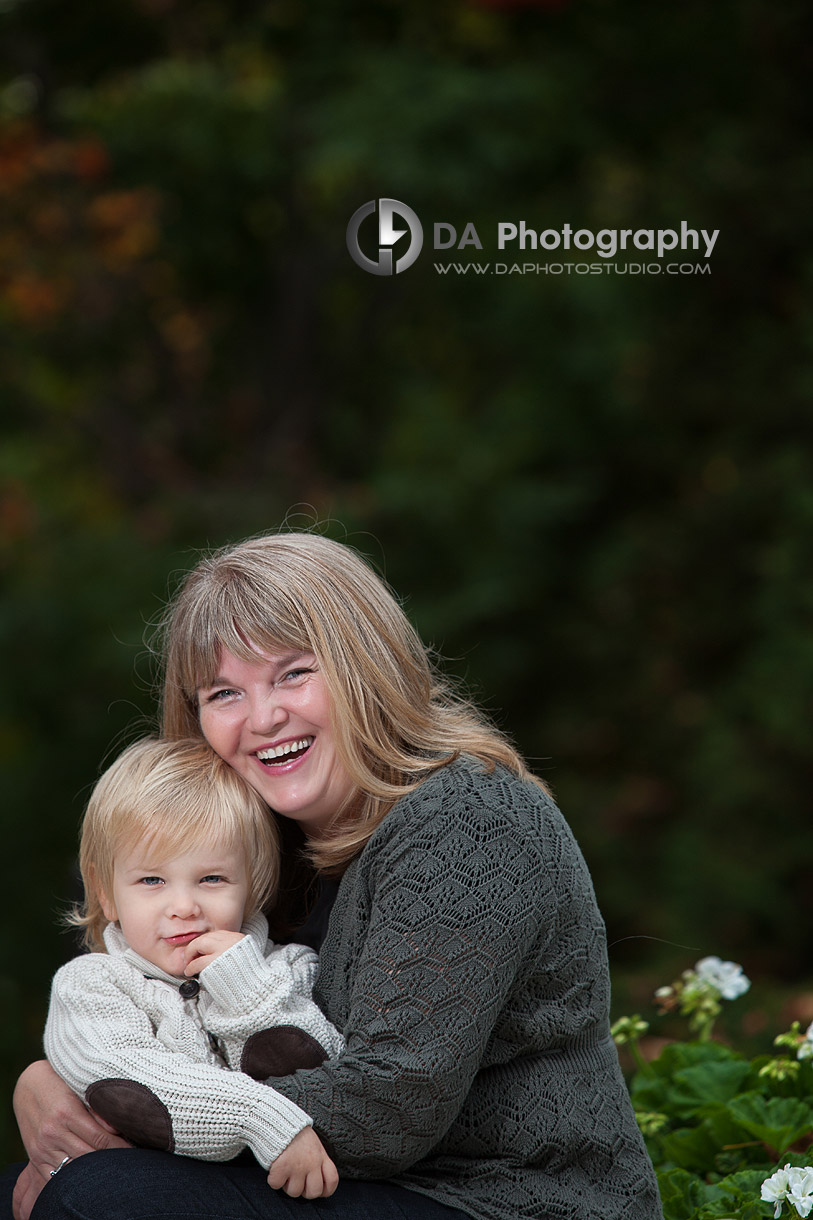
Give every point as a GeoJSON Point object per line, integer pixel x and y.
{"type": "Point", "coordinates": [456, 908]}
{"type": "Point", "coordinates": [53, 1124]}
{"type": "Point", "coordinates": [104, 1046]}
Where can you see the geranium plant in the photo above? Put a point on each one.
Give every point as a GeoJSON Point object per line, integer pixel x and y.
{"type": "Point", "coordinates": [730, 1136]}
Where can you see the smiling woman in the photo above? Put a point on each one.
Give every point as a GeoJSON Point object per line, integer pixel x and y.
{"type": "Point", "coordinates": [462, 953]}
{"type": "Point", "coordinates": [269, 718]}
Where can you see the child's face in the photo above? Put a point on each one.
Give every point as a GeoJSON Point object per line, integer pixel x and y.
{"type": "Point", "coordinates": [161, 904]}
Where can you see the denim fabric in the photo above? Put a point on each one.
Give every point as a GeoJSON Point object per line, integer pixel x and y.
{"type": "Point", "coordinates": [7, 1179]}
{"type": "Point", "coordinates": [137, 1184]}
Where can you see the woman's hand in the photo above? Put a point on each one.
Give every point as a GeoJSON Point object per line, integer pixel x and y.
{"type": "Point", "coordinates": [53, 1124]}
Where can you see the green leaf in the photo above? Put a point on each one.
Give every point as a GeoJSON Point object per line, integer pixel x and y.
{"type": "Point", "coordinates": [691, 1148]}
{"type": "Point", "coordinates": [680, 1194]}
{"type": "Point", "coordinates": [738, 1196]}
{"type": "Point", "coordinates": [687, 1197]}
{"type": "Point", "coordinates": [688, 1076]}
{"type": "Point", "coordinates": [709, 1082]}
{"type": "Point", "coordinates": [697, 1148]}
{"type": "Point", "coordinates": [778, 1121]}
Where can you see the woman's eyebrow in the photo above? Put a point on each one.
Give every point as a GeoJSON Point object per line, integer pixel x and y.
{"type": "Point", "coordinates": [279, 664]}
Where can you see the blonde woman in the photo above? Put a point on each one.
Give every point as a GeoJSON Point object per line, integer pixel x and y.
{"type": "Point", "coordinates": [464, 955]}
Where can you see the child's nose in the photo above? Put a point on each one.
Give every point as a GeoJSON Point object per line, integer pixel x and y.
{"type": "Point", "coordinates": [183, 903]}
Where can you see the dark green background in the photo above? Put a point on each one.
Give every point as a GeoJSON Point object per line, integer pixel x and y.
{"type": "Point", "coordinates": [594, 492]}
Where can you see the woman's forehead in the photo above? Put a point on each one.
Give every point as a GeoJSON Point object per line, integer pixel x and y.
{"type": "Point", "coordinates": [223, 657]}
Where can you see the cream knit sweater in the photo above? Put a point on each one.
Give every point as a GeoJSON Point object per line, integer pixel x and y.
{"type": "Point", "coordinates": [118, 1030]}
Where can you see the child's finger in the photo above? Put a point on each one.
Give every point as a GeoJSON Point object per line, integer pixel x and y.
{"type": "Point", "coordinates": [197, 964]}
{"type": "Point", "coordinates": [294, 1185]}
{"type": "Point", "coordinates": [196, 947]}
{"type": "Point", "coordinates": [313, 1185]}
{"type": "Point", "coordinates": [198, 955]}
{"type": "Point", "coordinates": [330, 1177]}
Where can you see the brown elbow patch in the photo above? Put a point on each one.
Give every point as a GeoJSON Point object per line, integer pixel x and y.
{"type": "Point", "coordinates": [280, 1051]}
{"type": "Point", "coordinates": [135, 1112]}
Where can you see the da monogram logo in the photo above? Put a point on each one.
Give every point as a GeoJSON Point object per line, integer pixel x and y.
{"type": "Point", "coordinates": [388, 235]}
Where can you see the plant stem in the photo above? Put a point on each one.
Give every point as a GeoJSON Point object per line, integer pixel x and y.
{"type": "Point", "coordinates": [641, 1063]}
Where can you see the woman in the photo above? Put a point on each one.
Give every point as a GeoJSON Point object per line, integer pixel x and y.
{"type": "Point", "coordinates": [464, 958]}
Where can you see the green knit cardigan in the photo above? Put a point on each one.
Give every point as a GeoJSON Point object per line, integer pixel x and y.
{"type": "Point", "coordinates": [465, 962]}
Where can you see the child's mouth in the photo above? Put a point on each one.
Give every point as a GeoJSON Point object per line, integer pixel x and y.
{"type": "Point", "coordinates": [288, 751]}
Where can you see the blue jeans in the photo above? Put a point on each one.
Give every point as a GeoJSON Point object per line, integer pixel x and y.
{"type": "Point", "coordinates": [138, 1184]}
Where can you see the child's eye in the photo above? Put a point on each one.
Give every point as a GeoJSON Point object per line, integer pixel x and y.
{"type": "Point", "coordinates": [212, 879]}
{"type": "Point", "coordinates": [151, 881]}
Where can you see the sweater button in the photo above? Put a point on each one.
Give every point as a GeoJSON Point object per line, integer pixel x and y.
{"type": "Point", "coordinates": [189, 989]}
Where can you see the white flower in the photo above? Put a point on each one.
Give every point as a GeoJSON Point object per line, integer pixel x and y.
{"type": "Point", "coordinates": [775, 1189]}
{"type": "Point", "coordinates": [795, 1185]}
{"type": "Point", "coordinates": [800, 1189]}
{"type": "Point", "coordinates": [805, 1050]}
{"type": "Point", "coordinates": [725, 977]}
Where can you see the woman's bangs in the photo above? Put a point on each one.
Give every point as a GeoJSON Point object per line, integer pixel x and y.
{"type": "Point", "coordinates": [243, 625]}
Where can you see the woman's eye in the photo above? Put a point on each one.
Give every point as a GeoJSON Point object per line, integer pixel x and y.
{"type": "Point", "coordinates": [295, 674]}
{"type": "Point", "coordinates": [216, 696]}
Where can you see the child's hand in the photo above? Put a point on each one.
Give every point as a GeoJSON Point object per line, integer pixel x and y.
{"type": "Point", "coordinates": [200, 952]}
{"type": "Point", "coordinates": [304, 1168]}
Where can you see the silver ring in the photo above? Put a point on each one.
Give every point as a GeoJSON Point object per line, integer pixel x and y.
{"type": "Point", "coordinates": [64, 1161]}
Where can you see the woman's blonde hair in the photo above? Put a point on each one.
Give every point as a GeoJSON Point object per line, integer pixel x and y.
{"type": "Point", "coordinates": [394, 718]}
{"type": "Point", "coordinates": [170, 796]}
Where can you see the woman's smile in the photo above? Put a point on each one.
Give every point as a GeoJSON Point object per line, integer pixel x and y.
{"type": "Point", "coordinates": [270, 720]}
{"type": "Point", "coordinates": [277, 756]}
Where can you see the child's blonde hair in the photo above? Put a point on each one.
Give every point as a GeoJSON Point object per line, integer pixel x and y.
{"type": "Point", "coordinates": [171, 795]}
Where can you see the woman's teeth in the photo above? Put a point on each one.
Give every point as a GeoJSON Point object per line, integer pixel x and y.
{"type": "Point", "coordinates": [287, 750]}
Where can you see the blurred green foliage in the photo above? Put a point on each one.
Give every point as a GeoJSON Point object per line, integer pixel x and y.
{"type": "Point", "coordinates": [594, 492]}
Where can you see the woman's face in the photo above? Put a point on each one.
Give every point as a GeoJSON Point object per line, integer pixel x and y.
{"type": "Point", "coordinates": [269, 719]}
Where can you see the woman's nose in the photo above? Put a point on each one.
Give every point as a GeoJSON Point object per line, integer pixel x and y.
{"type": "Point", "coordinates": [265, 714]}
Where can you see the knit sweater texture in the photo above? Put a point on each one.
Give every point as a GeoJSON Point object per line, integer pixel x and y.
{"type": "Point", "coordinates": [465, 962]}
{"type": "Point", "coordinates": [115, 1017]}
